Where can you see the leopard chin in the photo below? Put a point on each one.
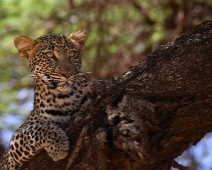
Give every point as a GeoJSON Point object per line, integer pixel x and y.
{"type": "Point", "coordinates": [66, 87]}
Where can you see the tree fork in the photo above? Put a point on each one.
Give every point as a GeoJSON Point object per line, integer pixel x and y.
{"type": "Point", "coordinates": [149, 115]}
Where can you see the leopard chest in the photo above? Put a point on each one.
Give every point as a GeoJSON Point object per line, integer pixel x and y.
{"type": "Point", "coordinates": [52, 106]}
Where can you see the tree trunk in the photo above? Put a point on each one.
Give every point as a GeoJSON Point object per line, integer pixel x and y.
{"type": "Point", "coordinates": [149, 115]}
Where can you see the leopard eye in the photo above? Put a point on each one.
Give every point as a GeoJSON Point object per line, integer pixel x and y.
{"type": "Point", "coordinates": [72, 53]}
{"type": "Point", "coordinates": [51, 55]}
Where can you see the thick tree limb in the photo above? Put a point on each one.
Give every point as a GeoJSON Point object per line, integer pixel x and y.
{"type": "Point", "coordinates": [149, 115]}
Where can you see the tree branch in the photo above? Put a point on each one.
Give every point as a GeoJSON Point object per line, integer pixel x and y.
{"type": "Point", "coordinates": [149, 115]}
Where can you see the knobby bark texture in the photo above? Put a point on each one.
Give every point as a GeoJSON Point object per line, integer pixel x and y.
{"type": "Point", "coordinates": [149, 115]}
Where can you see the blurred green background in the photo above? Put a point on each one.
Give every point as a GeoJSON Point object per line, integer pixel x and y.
{"type": "Point", "coordinates": [121, 32]}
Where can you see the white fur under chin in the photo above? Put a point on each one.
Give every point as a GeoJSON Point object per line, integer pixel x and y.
{"type": "Point", "coordinates": [65, 88]}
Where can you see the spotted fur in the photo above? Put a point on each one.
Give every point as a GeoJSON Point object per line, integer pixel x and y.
{"type": "Point", "coordinates": [60, 95]}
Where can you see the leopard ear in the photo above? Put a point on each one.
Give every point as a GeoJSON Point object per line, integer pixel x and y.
{"type": "Point", "coordinates": [79, 37]}
{"type": "Point", "coordinates": [24, 44]}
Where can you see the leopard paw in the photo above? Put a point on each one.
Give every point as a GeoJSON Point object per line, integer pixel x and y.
{"type": "Point", "coordinates": [57, 145]}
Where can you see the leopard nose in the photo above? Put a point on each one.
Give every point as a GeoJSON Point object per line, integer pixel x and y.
{"type": "Point", "coordinates": [67, 75]}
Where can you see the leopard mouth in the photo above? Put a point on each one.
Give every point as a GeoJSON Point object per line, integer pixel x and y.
{"type": "Point", "coordinates": [64, 87]}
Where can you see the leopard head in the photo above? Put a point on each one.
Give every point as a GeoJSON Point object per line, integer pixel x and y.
{"type": "Point", "coordinates": [54, 59]}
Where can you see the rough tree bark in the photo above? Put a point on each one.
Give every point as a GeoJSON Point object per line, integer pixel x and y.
{"type": "Point", "coordinates": [149, 115]}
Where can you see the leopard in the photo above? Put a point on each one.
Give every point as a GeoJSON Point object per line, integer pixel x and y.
{"type": "Point", "coordinates": [61, 93]}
